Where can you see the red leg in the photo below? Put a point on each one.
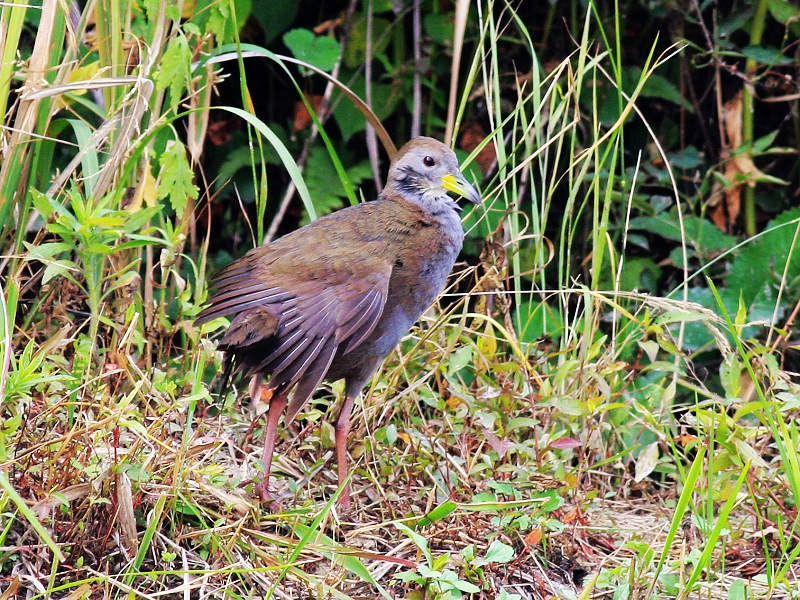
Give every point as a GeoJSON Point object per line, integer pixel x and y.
{"type": "Point", "coordinates": [276, 405]}
{"type": "Point", "coordinates": [342, 431]}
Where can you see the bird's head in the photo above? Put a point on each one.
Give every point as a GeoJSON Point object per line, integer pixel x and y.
{"type": "Point", "coordinates": [424, 171]}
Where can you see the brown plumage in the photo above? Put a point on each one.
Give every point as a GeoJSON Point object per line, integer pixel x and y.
{"type": "Point", "coordinates": [331, 300]}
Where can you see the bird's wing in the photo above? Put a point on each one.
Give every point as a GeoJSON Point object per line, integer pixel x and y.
{"type": "Point", "coordinates": [293, 311]}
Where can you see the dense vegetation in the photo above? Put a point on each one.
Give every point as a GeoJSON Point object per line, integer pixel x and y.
{"type": "Point", "coordinates": [602, 403]}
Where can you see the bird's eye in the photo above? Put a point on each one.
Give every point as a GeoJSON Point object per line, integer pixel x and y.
{"type": "Point", "coordinates": [428, 161]}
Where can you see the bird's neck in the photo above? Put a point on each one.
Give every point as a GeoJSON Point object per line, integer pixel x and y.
{"type": "Point", "coordinates": [442, 213]}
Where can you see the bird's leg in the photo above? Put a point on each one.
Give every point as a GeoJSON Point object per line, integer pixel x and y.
{"type": "Point", "coordinates": [342, 431]}
{"type": "Point", "coordinates": [276, 405]}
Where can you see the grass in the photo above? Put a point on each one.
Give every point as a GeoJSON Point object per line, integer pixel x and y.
{"type": "Point", "coordinates": [543, 432]}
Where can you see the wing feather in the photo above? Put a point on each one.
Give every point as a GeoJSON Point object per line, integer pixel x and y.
{"type": "Point", "coordinates": [291, 312]}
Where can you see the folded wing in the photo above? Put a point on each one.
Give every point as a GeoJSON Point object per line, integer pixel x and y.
{"type": "Point", "coordinates": [288, 324]}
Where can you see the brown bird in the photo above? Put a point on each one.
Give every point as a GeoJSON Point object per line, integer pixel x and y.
{"type": "Point", "coordinates": [331, 300]}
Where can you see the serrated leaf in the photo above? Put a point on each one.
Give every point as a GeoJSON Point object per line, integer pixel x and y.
{"type": "Point", "coordinates": [173, 71]}
{"type": "Point", "coordinates": [324, 184]}
{"type": "Point", "coordinates": [761, 264]}
{"type": "Point", "coordinates": [175, 179]}
{"type": "Point", "coordinates": [220, 20]}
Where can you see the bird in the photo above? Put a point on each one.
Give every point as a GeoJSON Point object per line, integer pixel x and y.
{"type": "Point", "coordinates": [330, 300]}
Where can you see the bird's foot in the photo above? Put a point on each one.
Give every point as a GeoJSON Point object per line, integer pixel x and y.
{"type": "Point", "coordinates": [263, 495]}
{"type": "Point", "coordinates": [344, 505]}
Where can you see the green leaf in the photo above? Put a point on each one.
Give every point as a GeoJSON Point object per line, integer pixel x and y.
{"type": "Point", "coordinates": [338, 554]}
{"type": "Point", "coordinates": [175, 177]}
{"type": "Point", "coordinates": [688, 158]}
{"type": "Point", "coordinates": [464, 586]}
{"type": "Point", "coordinates": [499, 552]}
{"type": "Point", "coordinates": [640, 273]}
{"type": "Point", "coordinates": [764, 143]}
{"type": "Point", "coordinates": [657, 86]}
{"type": "Point", "coordinates": [539, 319]}
{"type": "Point", "coordinates": [700, 233]}
{"type": "Point", "coordinates": [220, 20]}
{"type": "Point", "coordinates": [420, 541]}
{"type": "Point", "coordinates": [783, 11]}
{"type": "Point", "coordinates": [56, 268]}
{"type": "Point", "coordinates": [766, 56]}
{"type": "Point", "coordinates": [735, 21]}
{"type": "Point", "coordinates": [737, 590]}
{"type": "Point", "coordinates": [356, 47]}
{"type": "Point", "coordinates": [437, 514]}
{"type": "Point", "coordinates": [385, 98]}
{"type": "Point", "coordinates": [459, 359]}
{"type": "Point", "coordinates": [48, 250]}
{"type": "Point", "coordinates": [287, 159]}
{"type": "Point", "coordinates": [42, 203]}
{"type": "Point", "coordinates": [391, 434]}
{"type": "Point", "coordinates": [439, 26]}
{"type": "Point", "coordinates": [323, 181]}
{"type": "Point", "coordinates": [320, 51]}
{"type": "Point", "coordinates": [762, 262]}
{"type": "Point", "coordinates": [277, 19]}
{"type": "Point", "coordinates": [173, 71]}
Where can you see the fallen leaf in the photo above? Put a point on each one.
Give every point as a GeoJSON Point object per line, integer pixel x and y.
{"type": "Point", "coordinates": [534, 537]}
{"type": "Point", "coordinates": [302, 118]}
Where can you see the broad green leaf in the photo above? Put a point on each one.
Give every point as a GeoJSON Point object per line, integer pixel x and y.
{"type": "Point", "coordinates": [766, 55]}
{"type": "Point", "coordinates": [439, 26]}
{"type": "Point", "coordinates": [385, 98]}
{"type": "Point", "coordinates": [688, 158]}
{"type": "Point", "coordinates": [321, 51]}
{"type": "Point", "coordinates": [499, 552]}
{"type": "Point", "coordinates": [277, 19]}
{"type": "Point", "coordinates": [700, 233]}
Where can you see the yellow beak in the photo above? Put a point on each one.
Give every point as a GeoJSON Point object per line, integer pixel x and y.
{"type": "Point", "coordinates": [459, 185]}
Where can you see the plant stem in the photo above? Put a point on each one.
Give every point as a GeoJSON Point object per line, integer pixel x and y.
{"type": "Point", "coordinates": [756, 31]}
